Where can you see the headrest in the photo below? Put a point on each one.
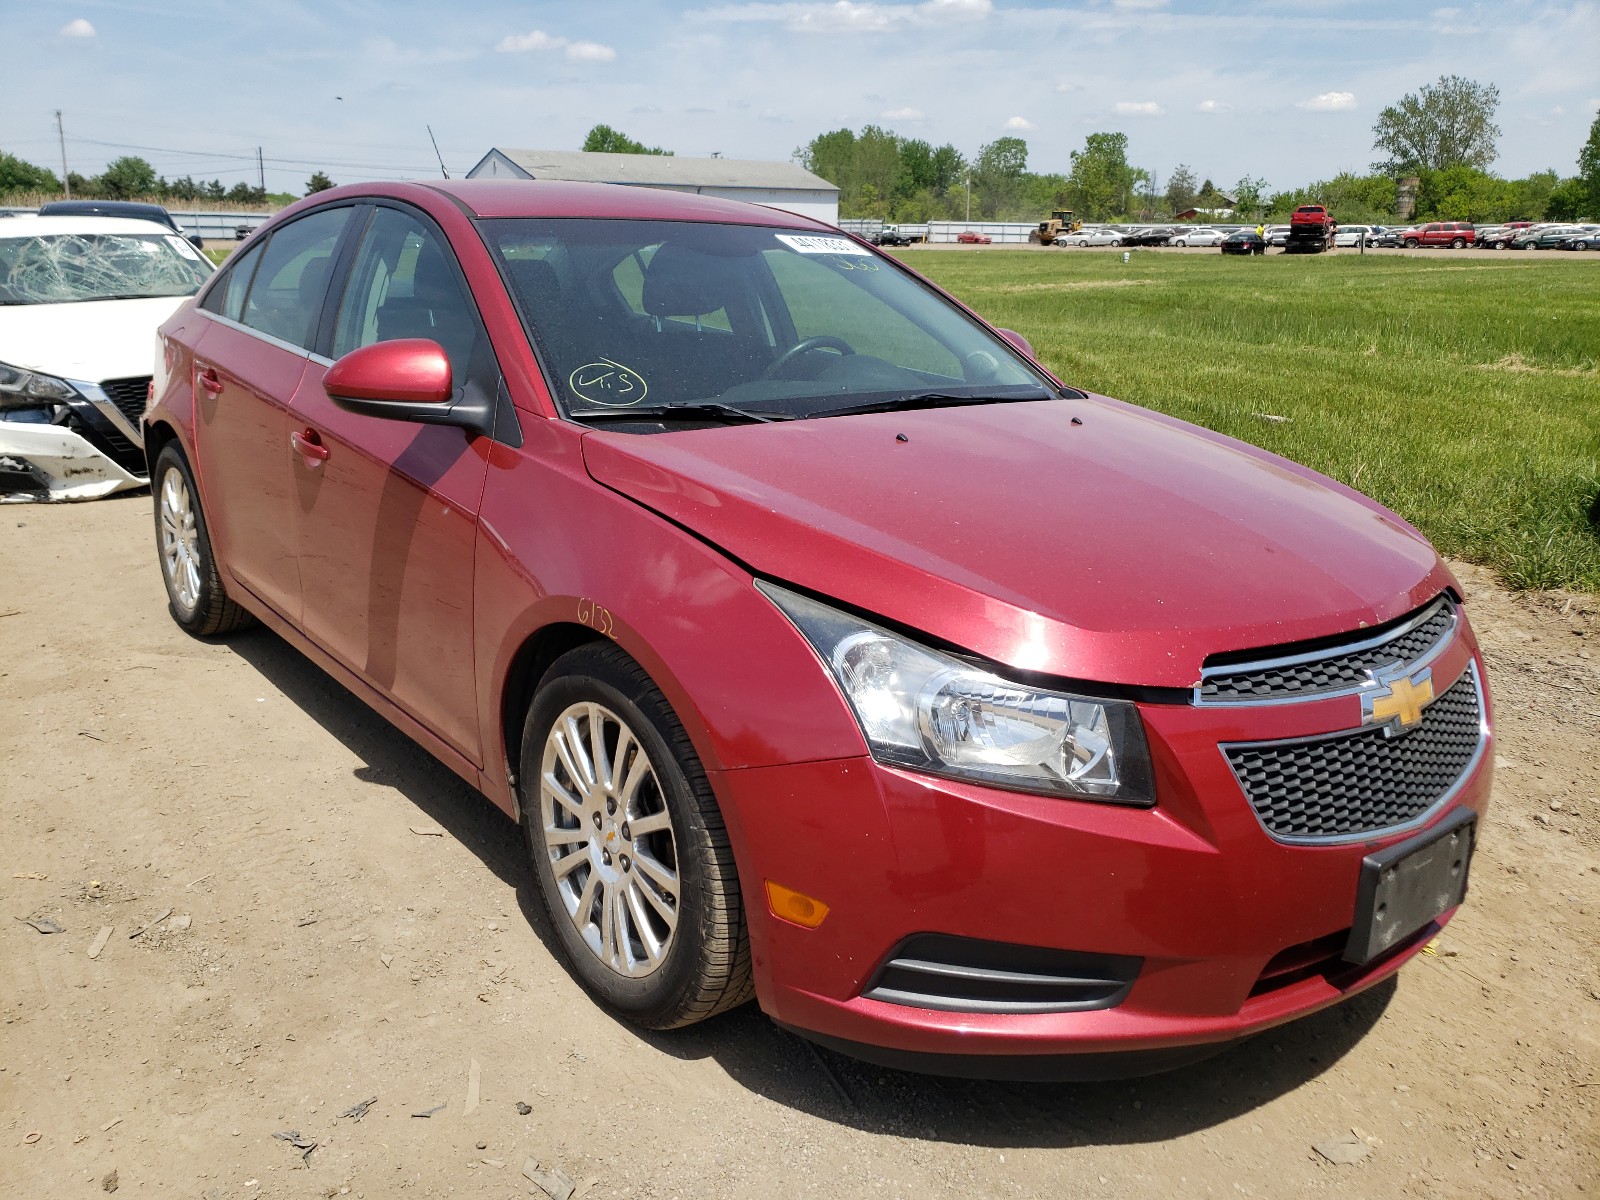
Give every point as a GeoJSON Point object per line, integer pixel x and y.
{"type": "Point", "coordinates": [314, 280]}
{"type": "Point", "coordinates": [682, 282]}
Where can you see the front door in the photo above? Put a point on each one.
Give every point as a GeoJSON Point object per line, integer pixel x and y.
{"type": "Point", "coordinates": [387, 511]}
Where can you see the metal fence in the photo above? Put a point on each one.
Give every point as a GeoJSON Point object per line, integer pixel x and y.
{"type": "Point", "coordinates": [213, 226]}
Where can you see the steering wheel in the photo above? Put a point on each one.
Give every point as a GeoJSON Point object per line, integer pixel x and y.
{"type": "Point", "coordinates": [825, 341]}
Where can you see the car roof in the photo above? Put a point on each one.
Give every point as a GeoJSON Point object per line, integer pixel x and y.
{"type": "Point", "coordinates": [30, 226]}
{"type": "Point", "coordinates": [495, 198]}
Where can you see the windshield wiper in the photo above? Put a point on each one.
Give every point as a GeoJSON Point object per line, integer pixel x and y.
{"type": "Point", "coordinates": [932, 399]}
{"type": "Point", "coordinates": [688, 410]}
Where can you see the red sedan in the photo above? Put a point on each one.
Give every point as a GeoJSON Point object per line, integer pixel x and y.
{"type": "Point", "coordinates": [968, 721]}
{"type": "Point", "coordinates": [969, 238]}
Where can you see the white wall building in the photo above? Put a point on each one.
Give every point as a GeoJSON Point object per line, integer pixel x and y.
{"type": "Point", "coordinates": [775, 184]}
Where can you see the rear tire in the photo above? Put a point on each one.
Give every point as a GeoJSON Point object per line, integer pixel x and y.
{"type": "Point", "coordinates": [628, 845]}
{"type": "Point", "coordinates": [1458, 243]}
{"type": "Point", "coordinates": [195, 596]}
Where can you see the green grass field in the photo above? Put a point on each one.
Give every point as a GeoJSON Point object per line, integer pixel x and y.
{"type": "Point", "coordinates": [1463, 394]}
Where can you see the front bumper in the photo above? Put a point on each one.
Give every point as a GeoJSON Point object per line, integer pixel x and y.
{"type": "Point", "coordinates": [1237, 931]}
{"type": "Point", "coordinates": [52, 462]}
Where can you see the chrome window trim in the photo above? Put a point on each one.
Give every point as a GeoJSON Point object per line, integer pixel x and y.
{"type": "Point", "coordinates": [1293, 660]}
{"type": "Point", "coordinates": [298, 351]}
{"type": "Point", "coordinates": [1370, 835]}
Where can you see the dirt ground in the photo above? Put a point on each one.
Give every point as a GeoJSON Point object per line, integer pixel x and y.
{"type": "Point", "coordinates": [349, 921]}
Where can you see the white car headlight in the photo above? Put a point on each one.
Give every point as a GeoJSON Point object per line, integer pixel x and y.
{"type": "Point", "coordinates": [932, 712]}
{"type": "Point", "coordinates": [29, 389]}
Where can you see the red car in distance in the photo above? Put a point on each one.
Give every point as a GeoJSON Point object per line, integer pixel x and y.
{"type": "Point", "coordinates": [970, 238]}
{"type": "Point", "coordinates": [828, 649]}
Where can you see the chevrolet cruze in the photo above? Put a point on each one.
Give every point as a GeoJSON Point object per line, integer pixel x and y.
{"type": "Point", "coordinates": [828, 648]}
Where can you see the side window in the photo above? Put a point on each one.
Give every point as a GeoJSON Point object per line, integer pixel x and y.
{"type": "Point", "coordinates": [403, 285]}
{"type": "Point", "coordinates": [286, 298]}
{"type": "Point", "coordinates": [227, 297]}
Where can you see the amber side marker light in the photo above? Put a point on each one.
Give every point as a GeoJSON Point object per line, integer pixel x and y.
{"type": "Point", "coordinates": [790, 905]}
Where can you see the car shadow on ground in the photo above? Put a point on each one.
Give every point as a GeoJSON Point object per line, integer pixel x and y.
{"type": "Point", "coordinates": [780, 1066]}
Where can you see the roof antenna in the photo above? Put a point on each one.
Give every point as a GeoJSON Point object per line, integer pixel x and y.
{"type": "Point", "coordinates": [436, 153]}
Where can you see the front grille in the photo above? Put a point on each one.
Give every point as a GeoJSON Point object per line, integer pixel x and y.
{"type": "Point", "coordinates": [1344, 666]}
{"type": "Point", "coordinates": [1363, 782]}
{"type": "Point", "coordinates": [129, 395]}
{"type": "Point", "coordinates": [956, 974]}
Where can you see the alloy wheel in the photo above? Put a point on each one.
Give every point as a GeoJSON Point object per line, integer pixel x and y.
{"type": "Point", "coordinates": [180, 541]}
{"type": "Point", "coordinates": [608, 834]}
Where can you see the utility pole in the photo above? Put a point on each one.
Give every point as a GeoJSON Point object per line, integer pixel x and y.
{"type": "Point", "coordinates": [62, 138]}
{"type": "Point", "coordinates": [261, 170]}
{"type": "Point", "coordinates": [969, 196]}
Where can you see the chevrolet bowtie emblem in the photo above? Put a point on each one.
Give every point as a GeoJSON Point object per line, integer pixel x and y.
{"type": "Point", "coordinates": [1398, 700]}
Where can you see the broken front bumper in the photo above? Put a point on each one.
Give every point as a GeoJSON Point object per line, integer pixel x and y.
{"type": "Point", "coordinates": [40, 461]}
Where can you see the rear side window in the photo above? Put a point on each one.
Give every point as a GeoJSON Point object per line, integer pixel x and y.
{"type": "Point", "coordinates": [285, 299]}
{"type": "Point", "coordinates": [226, 299]}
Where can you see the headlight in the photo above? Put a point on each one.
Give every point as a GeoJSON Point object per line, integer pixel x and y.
{"type": "Point", "coordinates": [28, 389]}
{"type": "Point", "coordinates": [932, 712]}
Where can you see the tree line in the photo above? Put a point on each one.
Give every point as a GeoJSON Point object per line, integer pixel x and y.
{"type": "Point", "coordinates": [1444, 136]}
{"type": "Point", "coordinates": [133, 178]}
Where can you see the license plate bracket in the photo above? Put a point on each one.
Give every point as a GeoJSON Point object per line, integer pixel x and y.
{"type": "Point", "coordinates": [1405, 886]}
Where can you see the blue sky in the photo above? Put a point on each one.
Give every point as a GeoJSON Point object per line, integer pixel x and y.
{"type": "Point", "coordinates": [1282, 89]}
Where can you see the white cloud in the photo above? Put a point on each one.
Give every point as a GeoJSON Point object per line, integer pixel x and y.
{"type": "Point", "coordinates": [1445, 14]}
{"type": "Point", "coordinates": [773, 117]}
{"type": "Point", "coordinates": [1594, 105]}
{"type": "Point", "coordinates": [1140, 4]}
{"type": "Point", "coordinates": [538, 39]}
{"type": "Point", "coordinates": [903, 114]}
{"type": "Point", "coordinates": [1137, 108]}
{"type": "Point", "coordinates": [517, 43]}
{"type": "Point", "coordinates": [77, 29]}
{"type": "Point", "coordinates": [1558, 111]}
{"type": "Point", "coordinates": [1021, 123]}
{"type": "Point", "coordinates": [1329, 102]}
{"type": "Point", "coordinates": [590, 52]}
{"type": "Point", "coordinates": [849, 16]}
{"type": "Point", "coordinates": [1069, 85]}
{"type": "Point", "coordinates": [1213, 106]}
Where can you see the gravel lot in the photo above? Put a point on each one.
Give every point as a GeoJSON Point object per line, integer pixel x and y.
{"type": "Point", "coordinates": [349, 921]}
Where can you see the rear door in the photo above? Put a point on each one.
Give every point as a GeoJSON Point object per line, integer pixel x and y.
{"type": "Point", "coordinates": [248, 364]}
{"type": "Point", "coordinates": [387, 511]}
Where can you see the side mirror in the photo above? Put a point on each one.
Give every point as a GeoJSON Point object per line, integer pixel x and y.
{"type": "Point", "coordinates": [195, 240]}
{"type": "Point", "coordinates": [408, 379]}
{"type": "Point", "coordinates": [1017, 340]}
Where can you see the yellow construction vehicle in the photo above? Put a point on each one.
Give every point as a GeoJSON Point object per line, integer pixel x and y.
{"type": "Point", "coordinates": [1060, 224]}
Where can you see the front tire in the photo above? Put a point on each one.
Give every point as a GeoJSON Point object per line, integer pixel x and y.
{"type": "Point", "coordinates": [629, 848]}
{"type": "Point", "coordinates": [1411, 243]}
{"type": "Point", "coordinates": [195, 595]}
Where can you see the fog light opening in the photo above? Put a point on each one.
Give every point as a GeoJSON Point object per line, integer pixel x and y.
{"type": "Point", "coordinates": [796, 907]}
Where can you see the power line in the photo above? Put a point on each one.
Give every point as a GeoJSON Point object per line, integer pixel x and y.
{"type": "Point", "coordinates": [258, 159]}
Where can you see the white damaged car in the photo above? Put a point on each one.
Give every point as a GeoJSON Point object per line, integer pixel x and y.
{"type": "Point", "coordinates": [80, 301]}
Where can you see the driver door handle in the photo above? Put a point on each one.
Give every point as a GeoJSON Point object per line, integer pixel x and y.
{"type": "Point", "coordinates": [210, 380]}
{"type": "Point", "coordinates": [308, 444]}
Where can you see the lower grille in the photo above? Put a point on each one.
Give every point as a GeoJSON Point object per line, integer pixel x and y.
{"type": "Point", "coordinates": [1363, 782]}
{"type": "Point", "coordinates": [129, 395]}
{"type": "Point", "coordinates": [955, 974]}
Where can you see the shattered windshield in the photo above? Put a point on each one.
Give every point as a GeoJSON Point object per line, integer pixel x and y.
{"type": "Point", "coordinates": [69, 267]}
{"type": "Point", "coordinates": [664, 320]}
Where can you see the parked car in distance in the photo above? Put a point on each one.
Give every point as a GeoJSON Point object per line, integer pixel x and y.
{"type": "Point", "coordinates": [1455, 234]}
{"type": "Point", "coordinates": [1146, 235]}
{"type": "Point", "coordinates": [80, 301]}
{"type": "Point", "coordinates": [1090, 237]}
{"type": "Point", "coordinates": [969, 238]}
{"type": "Point", "coordinates": [890, 235]}
{"type": "Point", "coordinates": [1356, 235]}
{"type": "Point", "coordinates": [688, 532]}
{"type": "Point", "coordinates": [1196, 237]}
{"type": "Point", "coordinates": [131, 210]}
{"type": "Point", "coordinates": [1546, 237]}
{"type": "Point", "coordinates": [1244, 241]}
{"type": "Point", "coordinates": [1277, 235]}
{"type": "Point", "coordinates": [1394, 236]}
{"type": "Point", "coordinates": [1587, 240]}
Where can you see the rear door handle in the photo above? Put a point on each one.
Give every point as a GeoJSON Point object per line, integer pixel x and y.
{"type": "Point", "coordinates": [308, 444]}
{"type": "Point", "coordinates": [210, 380]}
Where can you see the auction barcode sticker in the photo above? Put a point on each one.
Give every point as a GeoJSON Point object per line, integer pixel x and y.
{"type": "Point", "coordinates": [822, 245]}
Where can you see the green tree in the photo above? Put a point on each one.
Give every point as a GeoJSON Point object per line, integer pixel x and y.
{"type": "Point", "coordinates": [17, 175]}
{"type": "Point", "coordinates": [126, 178]}
{"type": "Point", "coordinates": [1589, 170]}
{"type": "Point", "coordinates": [1251, 197]}
{"type": "Point", "coordinates": [1447, 124]}
{"type": "Point", "coordinates": [949, 168]}
{"type": "Point", "coordinates": [603, 139]}
{"type": "Point", "coordinates": [1101, 181]}
{"type": "Point", "coordinates": [1182, 188]}
{"type": "Point", "coordinates": [317, 183]}
{"type": "Point", "coordinates": [183, 188]}
{"type": "Point", "coordinates": [1568, 202]}
{"type": "Point", "coordinates": [997, 177]}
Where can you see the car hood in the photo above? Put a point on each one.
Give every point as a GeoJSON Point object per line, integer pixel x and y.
{"type": "Point", "coordinates": [91, 341]}
{"type": "Point", "coordinates": [1125, 549]}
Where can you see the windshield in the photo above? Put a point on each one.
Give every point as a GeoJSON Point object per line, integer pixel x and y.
{"type": "Point", "coordinates": [644, 315]}
{"type": "Point", "coordinates": [69, 267]}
